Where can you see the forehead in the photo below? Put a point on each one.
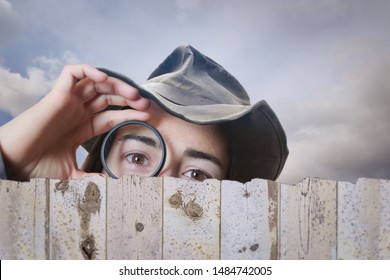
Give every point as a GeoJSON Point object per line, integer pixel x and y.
{"type": "Point", "coordinates": [182, 135]}
{"type": "Point", "coordinates": [134, 129]}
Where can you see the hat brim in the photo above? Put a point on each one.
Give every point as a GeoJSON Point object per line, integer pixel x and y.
{"type": "Point", "coordinates": [199, 114]}
{"type": "Point", "coordinates": [258, 140]}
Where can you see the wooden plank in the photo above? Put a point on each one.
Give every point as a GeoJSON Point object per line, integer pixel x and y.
{"type": "Point", "coordinates": [41, 221]}
{"type": "Point", "coordinates": [249, 220]}
{"type": "Point", "coordinates": [134, 218]}
{"type": "Point", "coordinates": [77, 227]}
{"type": "Point", "coordinates": [191, 219]}
{"type": "Point", "coordinates": [22, 221]}
{"type": "Point", "coordinates": [364, 219]}
{"type": "Point", "coordinates": [308, 220]}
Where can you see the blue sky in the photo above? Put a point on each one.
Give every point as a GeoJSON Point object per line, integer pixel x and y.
{"type": "Point", "coordinates": [322, 65]}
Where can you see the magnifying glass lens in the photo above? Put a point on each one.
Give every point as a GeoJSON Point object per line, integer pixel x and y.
{"type": "Point", "coordinates": [134, 148]}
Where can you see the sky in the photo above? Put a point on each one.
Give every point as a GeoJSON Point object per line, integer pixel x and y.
{"type": "Point", "coordinates": [323, 66]}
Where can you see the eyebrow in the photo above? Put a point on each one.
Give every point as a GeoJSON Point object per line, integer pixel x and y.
{"type": "Point", "coordinates": [202, 155]}
{"type": "Point", "coordinates": [141, 138]}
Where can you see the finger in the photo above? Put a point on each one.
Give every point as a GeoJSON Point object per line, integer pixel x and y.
{"type": "Point", "coordinates": [120, 88]}
{"type": "Point", "coordinates": [88, 90]}
{"type": "Point", "coordinates": [100, 102]}
{"type": "Point", "coordinates": [105, 121]}
{"type": "Point", "coordinates": [115, 86]}
{"type": "Point", "coordinates": [141, 104]}
{"type": "Point", "coordinates": [85, 90]}
{"type": "Point", "coordinates": [73, 73]}
{"type": "Point", "coordinates": [135, 100]}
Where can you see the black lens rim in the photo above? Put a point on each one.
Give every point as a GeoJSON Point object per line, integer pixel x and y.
{"type": "Point", "coordinates": [114, 130]}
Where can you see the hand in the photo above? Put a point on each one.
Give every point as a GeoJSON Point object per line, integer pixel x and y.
{"type": "Point", "coordinates": [42, 141]}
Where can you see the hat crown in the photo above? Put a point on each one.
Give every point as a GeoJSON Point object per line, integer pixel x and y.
{"type": "Point", "coordinates": [187, 77]}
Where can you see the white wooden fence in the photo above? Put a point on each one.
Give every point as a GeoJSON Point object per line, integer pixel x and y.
{"type": "Point", "coordinates": [167, 218]}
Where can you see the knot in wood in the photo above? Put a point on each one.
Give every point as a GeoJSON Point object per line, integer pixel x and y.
{"type": "Point", "coordinates": [246, 194]}
{"type": "Point", "coordinates": [62, 186]}
{"type": "Point", "coordinates": [176, 200]}
{"type": "Point", "coordinates": [88, 248]}
{"type": "Point", "coordinates": [242, 250]}
{"type": "Point", "coordinates": [90, 203]}
{"type": "Point", "coordinates": [139, 227]}
{"type": "Point", "coordinates": [254, 247]}
{"type": "Point", "coordinates": [92, 193]}
{"type": "Point", "coordinates": [193, 209]}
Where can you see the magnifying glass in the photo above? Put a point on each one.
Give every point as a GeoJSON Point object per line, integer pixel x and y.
{"type": "Point", "coordinates": [133, 147]}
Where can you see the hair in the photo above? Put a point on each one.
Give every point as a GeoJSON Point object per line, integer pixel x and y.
{"type": "Point", "coordinates": [93, 163]}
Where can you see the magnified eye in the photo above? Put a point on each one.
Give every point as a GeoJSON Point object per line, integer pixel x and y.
{"type": "Point", "coordinates": [197, 175]}
{"type": "Point", "coordinates": [137, 159]}
{"type": "Point", "coordinates": [133, 148]}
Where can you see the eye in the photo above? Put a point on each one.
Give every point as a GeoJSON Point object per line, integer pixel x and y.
{"type": "Point", "coordinates": [197, 175]}
{"type": "Point", "coordinates": [137, 159]}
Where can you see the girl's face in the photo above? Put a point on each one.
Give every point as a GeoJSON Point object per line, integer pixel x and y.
{"type": "Point", "coordinates": [195, 152]}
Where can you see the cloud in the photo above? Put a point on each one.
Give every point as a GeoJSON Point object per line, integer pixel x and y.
{"type": "Point", "coordinates": [18, 93]}
{"type": "Point", "coordinates": [11, 24]}
{"type": "Point", "coordinates": [343, 132]}
{"type": "Point", "coordinates": [53, 65]}
{"type": "Point", "coordinates": [330, 97]}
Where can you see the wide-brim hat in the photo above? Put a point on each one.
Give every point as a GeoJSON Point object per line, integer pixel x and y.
{"type": "Point", "coordinates": [194, 88]}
